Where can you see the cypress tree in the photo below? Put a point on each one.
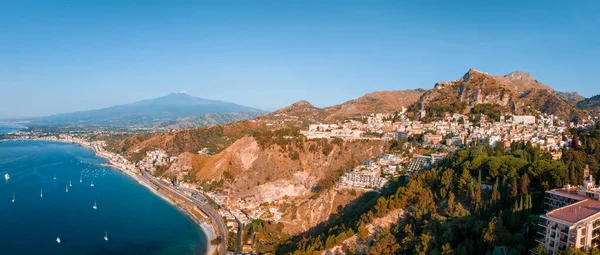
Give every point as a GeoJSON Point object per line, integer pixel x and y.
{"type": "Point", "coordinates": [495, 194]}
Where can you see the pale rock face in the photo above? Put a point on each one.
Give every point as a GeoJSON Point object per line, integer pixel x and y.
{"type": "Point", "coordinates": [517, 75]}
{"type": "Point", "coordinates": [442, 85]}
{"type": "Point", "coordinates": [272, 192]}
{"type": "Point", "coordinates": [248, 154]}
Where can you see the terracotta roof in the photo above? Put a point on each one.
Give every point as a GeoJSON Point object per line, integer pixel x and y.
{"type": "Point", "coordinates": [577, 211]}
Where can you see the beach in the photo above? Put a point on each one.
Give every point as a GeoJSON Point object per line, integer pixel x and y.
{"type": "Point", "coordinates": [206, 228]}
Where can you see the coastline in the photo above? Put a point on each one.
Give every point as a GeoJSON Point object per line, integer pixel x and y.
{"type": "Point", "coordinates": [206, 228]}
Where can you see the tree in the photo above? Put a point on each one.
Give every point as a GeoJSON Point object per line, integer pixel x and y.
{"type": "Point", "coordinates": [524, 184]}
{"type": "Point", "coordinates": [363, 233]}
{"type": "Point", "coordinates": [495, 193]}
{"type": "Point", "coordinates": [514, 188]}
{"type": "Point", "coordinates": [447, 249]}
{"type": "Point", "coordinates": [450, 208]}
{"type": "Point", "coordinates": [425, 244]}
{"type": "Point", "coordinates": [496, 234]}
{"type": "Point", "coordinates": [216, 241]}
{"type": "Point", "coordinates": [540, 249]}
{"type": "Point", "coordinates": [384, 244]}
{"type": "Point", "coordinates": [463, 181]}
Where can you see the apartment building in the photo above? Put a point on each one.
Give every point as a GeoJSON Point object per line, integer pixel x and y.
{"type": "Point", "coordinates": [572, 218]}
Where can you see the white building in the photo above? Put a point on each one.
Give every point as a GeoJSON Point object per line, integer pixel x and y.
{"type": "Point", "coordinates": [523, 120]}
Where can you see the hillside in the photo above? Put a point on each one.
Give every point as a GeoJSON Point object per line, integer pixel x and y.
{"type": "Point", "coordinates": [214, 138]}
{"type": "Point", "coordinates": [571, 97]}
{"type": "Point", "coordinates": [176, 110]}
{"type": "Point", "coordinates": [375, 102]}
{"type": "Point", "coordinates": [303, 113]}
{"type": "Point", "coordinates": [517, 92]}
{"type": "Point", "coordinates": [592, 103]}
{"type": "Point", "coordinates": [266, 167]}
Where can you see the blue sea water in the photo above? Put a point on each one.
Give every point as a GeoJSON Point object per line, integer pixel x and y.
{"type": "Point", "coordinates": [137, 221]}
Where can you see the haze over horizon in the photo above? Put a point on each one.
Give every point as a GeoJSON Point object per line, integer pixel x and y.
{"type": "Point", "coordinates": [66, 56]}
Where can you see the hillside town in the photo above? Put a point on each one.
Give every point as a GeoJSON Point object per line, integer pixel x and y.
{"type": "Point", "coordinates": [423, 146]}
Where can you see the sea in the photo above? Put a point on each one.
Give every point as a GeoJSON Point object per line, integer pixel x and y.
{"type": "Point", "coordinates": [134, 220]}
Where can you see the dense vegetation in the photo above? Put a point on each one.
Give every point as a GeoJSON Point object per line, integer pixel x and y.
{"type": "Point", "coordinates": [492, 111]}
{"type": "Point", "coordinates": [480, 199]}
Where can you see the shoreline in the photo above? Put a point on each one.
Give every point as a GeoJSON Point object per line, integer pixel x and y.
{"type": "Point", "coordinates": [206, 228]}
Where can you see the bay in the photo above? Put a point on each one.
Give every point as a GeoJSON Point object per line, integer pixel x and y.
{"type": "Point", "coordinates": [136, 220]}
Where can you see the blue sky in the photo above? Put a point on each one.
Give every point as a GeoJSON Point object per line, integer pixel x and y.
{"type": "Point", "coordinates": [63, 56]}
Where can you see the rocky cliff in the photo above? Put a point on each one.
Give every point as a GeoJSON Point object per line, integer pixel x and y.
{"type": "Point", "coordinates": [517, 92]}
{"type": "Point", "coordinates": [254, 171]}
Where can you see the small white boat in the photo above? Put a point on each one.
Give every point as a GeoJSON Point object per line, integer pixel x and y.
{"type": "Point", "coordinates": [58, 240]}
{"type": "Point", "coordinates": [70, 183]}
{"type": "Point", "coordinates": [55, 177]}
{"type": "Point", "coordinates": [6, 176]}
{"type": "Point", "coordinates": [13, 197]}
{"type": "Point", "coordinates": [105, 236]}
{"type": "Point", "coordinates": [95, 206]}
{"type": "Point", "coordinates": [80, 179]}
{"type": "Point", "coordinates": [41, 194]}
{"type": "Point", "coordinates": [92, 185]}
{"type": "Point", "coordinates": [66, 188]}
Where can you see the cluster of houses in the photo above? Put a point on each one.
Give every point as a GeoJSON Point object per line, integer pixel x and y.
{"type": "Point", "coordinates": [316, 131]}
{"type": "Point", "coordinates": [420, 162]}
{"type": "Point", "coordinates": [369, 174]}
{"type": "Point", "coordinates": [545, 131]}
{"type": "Point", "coordinates": [153, 159]}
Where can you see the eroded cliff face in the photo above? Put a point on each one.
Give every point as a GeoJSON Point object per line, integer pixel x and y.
{"type": "Point", "coordinates": [253, 174]}
{"type": "Point", "coordinates": [312, 211]}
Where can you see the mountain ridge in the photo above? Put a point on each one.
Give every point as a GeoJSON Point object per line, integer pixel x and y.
{"type": "Point", "coordinates": [517, 92]}
{"type": "Point", "coordinates": [165, 111]}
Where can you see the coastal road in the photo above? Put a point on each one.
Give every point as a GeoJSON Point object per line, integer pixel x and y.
{"type": "Point", "coordinates": [215, 217]}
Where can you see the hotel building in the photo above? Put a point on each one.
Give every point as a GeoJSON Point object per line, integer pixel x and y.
{"type": "Point", "coordinates": [572, 218]}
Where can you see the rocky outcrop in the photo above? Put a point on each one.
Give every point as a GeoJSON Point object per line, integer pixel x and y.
{"type": "Point", "coordinates": [515, 92]}
{"type": "Point", "coordinates": [571, 97]}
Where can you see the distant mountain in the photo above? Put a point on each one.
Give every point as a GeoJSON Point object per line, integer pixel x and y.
{"type": "Point", "coordinates": [296, 108]}
{"type": "Point", "coordinates": [176, 110]}
{"type": "Point", "coordinates": [387, 101]}
{"type": "Point", "coordinates": [592, 103]}
{"type": "Point", "coordinates": [517, 92]}
{"type": "Point", "coordinates": [571, 97]}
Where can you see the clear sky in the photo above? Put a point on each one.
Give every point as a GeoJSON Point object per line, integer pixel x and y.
{"type": "Point", "coordinates": [63, 56]}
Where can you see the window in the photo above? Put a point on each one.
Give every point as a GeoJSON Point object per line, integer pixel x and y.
{"type": "Point", "coordinates": [596, 223]}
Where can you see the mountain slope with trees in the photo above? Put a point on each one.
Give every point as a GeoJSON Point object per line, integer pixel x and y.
{"type": "Point", "coordinates": [480, 199]}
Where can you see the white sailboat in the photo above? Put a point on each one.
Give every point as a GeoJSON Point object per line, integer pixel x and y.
{"type": "Point", "coordinates": [13, 197]}
{"type": "Point", "coordinates": [80, 179]}
{"type": "Point", "coordinates": [70, 183]}
{"type": "Point", "coordinates": [66, 188]}
{"type": "Point", "coordinates": [95, 206]}
{"type": "Point", "coordinates": [92, 185]}
{"type": "Point", "coordinates": [58, 240]}
{"type": "Point", "coordinates": [105, 236]}
{"type": "Point", "coordinates": [41, 194]}
{"type": "Point", "coordinates": [6, 176]}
